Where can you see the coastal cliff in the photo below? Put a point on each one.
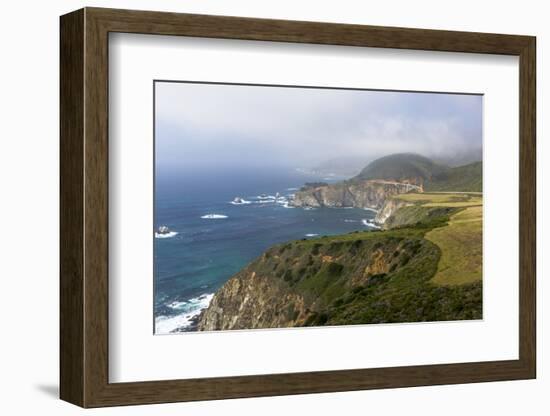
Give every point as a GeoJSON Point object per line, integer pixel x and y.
{"type": "Point", "coordinates": [390, 207]}
{"type": "Point", "coordinates": [356, 278]}
{"type": "Point", "coordinates": [298, 283]}
{"type": "Point", "coordinates": [389, 176]}
{"type": "Point", "coordinates": [414, 270]}
{"type": "Point", "coordinates": [254, 300]}
{"type": "Point", "coordinates": [370, 194]}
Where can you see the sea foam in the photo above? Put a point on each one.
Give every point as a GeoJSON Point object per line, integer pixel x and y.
{"type": "Point", "coordinates": [370, 209]}
{"type": "Point", "coordinates": [190, 310]}
{"type": "Point", "coordinates": [243, 202]}
{"type": "Point", "coordinates": [166, 235]}
{"type": "Point", "coordinates": [213, 216]}
{"type": "Point", "coordinates": [370, 223]}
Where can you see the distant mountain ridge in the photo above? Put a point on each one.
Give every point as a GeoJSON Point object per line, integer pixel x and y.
{"type": "Point", "coordinates": [391, 175]}
{"type": "Point", "coordinates": [352, 165]}
{"type": "Point", "coordinates": [402, 167]}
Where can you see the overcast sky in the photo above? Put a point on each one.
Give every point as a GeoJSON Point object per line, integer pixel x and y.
{"type": "Point", "coordinates": [222, 125]}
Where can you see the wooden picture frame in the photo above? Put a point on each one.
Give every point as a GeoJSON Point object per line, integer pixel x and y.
{"type": "Point", "coordinates": [84, 207]}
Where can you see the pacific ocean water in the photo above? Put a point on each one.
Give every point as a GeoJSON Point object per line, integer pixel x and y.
{"type": "Point", "coordinates": [213, 238]}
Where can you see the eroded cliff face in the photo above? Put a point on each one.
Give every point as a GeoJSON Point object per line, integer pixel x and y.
{"type": "Point", "coordinates": [251, 300]}
{"type": "Point", "coordinates": [295, 283]}
{"type": "Point", "coordinates": [389, 208]}
{"type": "Point", "coordinates": [371, 194]}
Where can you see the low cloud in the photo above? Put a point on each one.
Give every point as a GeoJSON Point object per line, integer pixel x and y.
{"type": "Point", "coordinates": [212, 124]}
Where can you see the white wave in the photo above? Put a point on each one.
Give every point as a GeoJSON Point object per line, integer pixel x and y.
{"type": "Point", "coordinates": [264, 197]}
{"type": "Point", "coordinates": [177, 305]}
{"type": "Point", "coordinates": [242, 202]}
{"type": "Point", "coordinates": [292, 189]}
{"type": "Point", "coordinates": [309, 208]}
{"type": "Point", "coordinates": [370, 209]}
{"type": "Point", "coordinates": [285, 205]}
{"type": "Point", "coordinates": [166, 235]}
{"type": "Point", "coordinates": [213, 216]}
{"type": "Point", "coordinates": [370, 223]}
{"type": "Point", "coordinates": [203, 300]}
{"type": "Point", "coordinates": [312, 235]}
{"type": "Point", "coordinates": [192, 308]}
{"type": "Point", "coordinates": [350, 220]}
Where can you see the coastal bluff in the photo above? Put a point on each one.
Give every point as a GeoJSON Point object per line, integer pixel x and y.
{"type": "Point", "coordinates": [301, 283]}
{"type": "Point", "coordinates": [406, 273]}
{"type": "Point", "coordinates": [366, 194]}
{"type": "Point", "coordinates": [387, 177]}
{"type": "Point", "coordinates": [382, 178]}
{"type": "Point", "coordinates": [413, 270]}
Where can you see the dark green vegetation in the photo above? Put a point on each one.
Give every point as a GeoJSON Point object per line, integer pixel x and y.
{"type": "Point", "coordinates": [373, 277]}
{"type": "Point", "coordinates": [418, 214]}
{"type": "Point", "coordinates": [467, 178]}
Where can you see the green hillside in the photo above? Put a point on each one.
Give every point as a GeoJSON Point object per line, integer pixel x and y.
{"type": "Point", "coordinates": [374, 277]}
{"type": "Point", "coordinates": [467, 178]}
{"type": "Point", "coordinates": [422, 170]}
{"type": "Point", "coordinates": [401, 166]}
{"type": "Point", "coordinates": [427, 267]}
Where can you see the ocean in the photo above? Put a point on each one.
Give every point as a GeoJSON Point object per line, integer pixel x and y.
{"type": "Point", "coordinates": [212, 237]}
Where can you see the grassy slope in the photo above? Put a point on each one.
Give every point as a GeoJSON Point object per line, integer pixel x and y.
{"type": "Point", "coordinates": [461, 247]}
{"type": "Point", "coordinates": [441, 199]}
{"type": "Point", "coordinates": [467, 178]}
{"type": "Point", "coordinates": [460, 240]}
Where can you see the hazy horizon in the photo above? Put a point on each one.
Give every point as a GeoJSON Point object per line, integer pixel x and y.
{"type": "Point", "coordinates": [219, 126]}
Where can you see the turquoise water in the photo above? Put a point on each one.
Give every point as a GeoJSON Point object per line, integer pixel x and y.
{"type": "Point", "coordinates": [216, 238]}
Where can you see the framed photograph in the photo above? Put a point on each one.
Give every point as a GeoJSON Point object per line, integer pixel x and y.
{"type": "Point", "coordinates": [255, 207]}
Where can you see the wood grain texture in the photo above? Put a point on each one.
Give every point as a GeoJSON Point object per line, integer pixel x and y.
{"type": "Point", "coordinates": [528, 208]}
{"type": "Point", "coordinates": [84, 207]}
{"type": "Point", "coordinates": [96, 208]}
{"type": "Point", "coordinates": [71, 208]}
